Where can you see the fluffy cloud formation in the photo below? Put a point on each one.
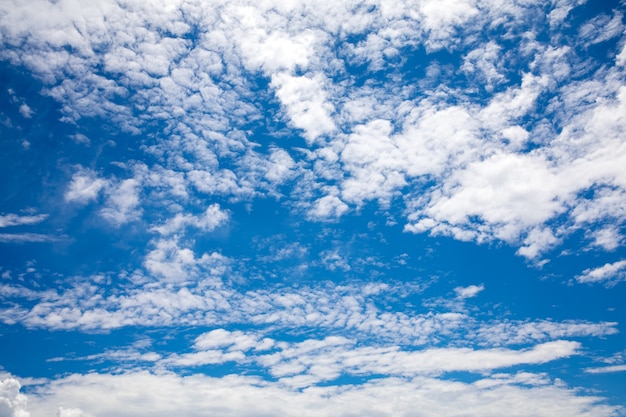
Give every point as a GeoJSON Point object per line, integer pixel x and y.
{"type": "Point", "coordinates": [479, 120]}
{"type": "Point", "coordinates": [12, 402]}
{"type": "Point", "coordinates": [164, 394]}
{"type": "Point", "coordinates": [69, 412]}
{"type": "Point", "coordinates": [505, 166]}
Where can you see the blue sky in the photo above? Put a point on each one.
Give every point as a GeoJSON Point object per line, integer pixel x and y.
{"type": "Point", "coordinates": [266, 208]}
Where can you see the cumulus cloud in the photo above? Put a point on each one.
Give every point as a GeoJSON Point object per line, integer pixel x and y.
{"type": "Point", "coordinates": [173, 263]}
{"type": "Point", "coordinates": [212, 217]}
{"type": "Point", "coordinates": [12, 402]}
{"type": "Point", "coordinates": [484, 183]}
{"type": "Point", "coordinates": [84, 186]}
{"type": "Point", "coordinates": [469, 291]}
{"type": "Point", "coordinates": [305, 102]}
{"type": "Point", "coordinates": [136, 393]}
{"type": "Point", "coordinates": [122, 204]}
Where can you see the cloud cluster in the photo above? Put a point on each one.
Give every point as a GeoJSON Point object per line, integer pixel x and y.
{"type": "Point", "coordinates": [481, 120]}
{"type": "Point", "coordinates": [164, 394]}
{"type": "Point", "coordinates": [312, 361]}
{"type": "Point", "coordinates": [192, 292]}
{"type": "Point", "coordinates": [483, 155]}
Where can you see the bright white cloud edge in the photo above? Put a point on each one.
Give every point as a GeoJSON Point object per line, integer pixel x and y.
{"type": "Point", "coordinates": [141, 393]}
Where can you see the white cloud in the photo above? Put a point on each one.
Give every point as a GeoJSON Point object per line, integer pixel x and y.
{"type": "Point", "coordinates": [26, 111]}
{"type": "Point", "coordinates": [608, 238]}
{"type": "Point", "coordinates": [182, 289]}
{"type": "Point", "coordinates": [469, 291]}
{"type": "Point", "coordinates": [314, 361]}
{"type": "Point", "coordinates": [507, 332]}
{"type": "Point", "coordinates": [139, 393]}
{"type": "Point", "coordinates": [280, 167]}
{"type": "Point", "coordinates": [208, 221]}
{"type": "Point", "coordinates": [80, 138]}
{"type": "Point", "coordinates": [69, 412]}
{"type": "Point", "coordinates": [608, 273]}
{"type": "Point", "coordinates": [18, 220]}
{"type": "Point", "coordinates": [12, 402]}
{"type": "Point", "coordinates": [482, 62]}
{"type": "Point", "coordinates": [606, 369]}
{"type": "Point", "coordinates": [236, 340]}
{"type": "Point", "coordinates": [84, 187]}
{"type": "Point", "coordinates": [172, 263]}
{"type": "Point", "coordinates": [602, 28]}
{"type": "Point", "coordinates": [507, 194]}
{"type": "Point", "coordinates": [333, 260]}
{"type": "Point", "coordinates": [122, 204]}
{"type": "Point", "coordinates": [305, 102]}
{"type": "Point", "coordinates": [220, 346]}
{"type": "Point", "coordinates": [328, 207]}
{"type": "Point", "coordinates": [387, 140]}
{"type": "Point", "coordinates": [27, 237]}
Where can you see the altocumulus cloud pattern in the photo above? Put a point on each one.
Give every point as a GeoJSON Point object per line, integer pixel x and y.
{"type": "Point", "coordinates": [306, 208]}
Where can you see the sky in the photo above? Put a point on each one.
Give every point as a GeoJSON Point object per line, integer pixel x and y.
{"type": "Point", "coordinates": [274, 208]}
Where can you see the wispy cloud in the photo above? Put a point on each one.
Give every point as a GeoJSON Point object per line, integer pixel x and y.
{"type": "Point", "coordinates": [8, 220]}
{"type": "Point", "coordinates": [607, 273]}
{"type": "Point", "coordinates": [606, 369]}
{"type": "Point", "coordinates": [27, 237]}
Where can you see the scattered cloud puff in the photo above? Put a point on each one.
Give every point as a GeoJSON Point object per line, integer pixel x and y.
{"type": "Point", "coordinates": [26, 111]}
{"type": "Point", "coordinates": [609, 273]}
{"type": "Point", "coordinates": [27, 237]}
{"type": "Point", "coordinates": [469, 291]}
{"type": "Point", "coordinates": [85, 186]}
{"type": "Point", "coordinates": [122, 204]}
{"type": "Point", "coordinates": [81, 139]}
{"type": "Point", "coordinates": [172, 263]}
